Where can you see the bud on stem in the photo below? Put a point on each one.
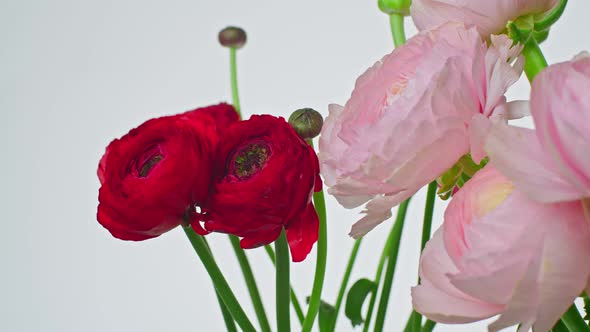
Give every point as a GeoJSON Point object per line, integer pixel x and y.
{"type": "Point", "coordinates": [307, 122]}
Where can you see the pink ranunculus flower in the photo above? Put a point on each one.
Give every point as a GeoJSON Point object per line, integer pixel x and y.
{"type": "Point", "coordinates": [407, 119]}
{"type": "Point", "coordinates": [489, 16]}
{"type": "Point", "coordinates": [552, 162]}
{"type": "Point", "coordinates": [500, 253]}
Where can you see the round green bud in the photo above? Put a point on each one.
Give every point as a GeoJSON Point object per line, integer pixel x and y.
{"type": "Point", "coordinates": [307, 122]}
{"type": "Point", "coordinates": [232, 37]}
{"type": "Point", "coordinates": [401, 7]}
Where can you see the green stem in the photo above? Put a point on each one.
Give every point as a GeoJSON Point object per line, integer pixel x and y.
{"type": "Point", "coordinates": [344, 282]}
{"type": "Point", "coordinates": [294, 300]}
{"type": "Point", "coordinates": [392, 261]}
{"type": "Point", "coordinates": [560, 327]}
{"type": "Point", "coordinates": [534, 59]}
{"type": "Point", "coordinates": [428, 326]}
{"type": "Point", "coordinates": [320, 268]}
{"type": "Point", "coordinates": [415, 321]}
{"type": "Point", "coordinates": [251, 284]}
{"type": "Point", "coordinates": [227, 318]}
{"type": "Point", "coordinates": [551, 17]}
{"type": "Point", "coordinates": [282, 283]}
{"type": "Point", "coordinates": [221, 286]}
{"type": "Point", "coordinates": [428, 213]}
{"type": "Point", "coordinates": [574, 321]}
{"type": "Point", "coordinates": [234, 80]}
{"type": "Point", "coordinates": [396, 22]}
{"type": "Point", "coordinates": [382, 260]}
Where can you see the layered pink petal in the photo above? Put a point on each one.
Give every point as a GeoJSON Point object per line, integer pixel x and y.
{"type": "Point", "coordinates": [518, 154]}
{"type": "Point", "coordinates": [560, 105]}
{"type": "Point", "coordinates": [437, 298]}
{"type": "Point", "coordinates": [408, 118]}
{"type": "Point", "coordinates": [497, 248]}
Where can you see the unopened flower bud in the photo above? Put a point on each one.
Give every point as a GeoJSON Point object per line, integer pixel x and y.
{"type": "Point", "coordinates": [232, 37]}
{"type": "Point", "coordinates": [307, 122]}
{"type": "Point", "coordinates": [389, 7]}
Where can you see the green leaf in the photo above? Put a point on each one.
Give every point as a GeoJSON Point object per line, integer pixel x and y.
{"type": "Point", "coordinates": [355, 299]}
{"type": "Point", "coordinates": [326, 315]}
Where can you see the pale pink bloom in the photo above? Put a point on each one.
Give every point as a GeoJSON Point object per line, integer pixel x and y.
{"type": "Point", "coordinates": [552, 162]}
{"type": "Point", "coordinates": [501, 253]}
{"type": "Point", "coordinates": [489, 16]}
{"type": "Point", "coordinates": [408, 117]}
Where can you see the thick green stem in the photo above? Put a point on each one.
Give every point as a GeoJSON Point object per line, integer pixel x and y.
{"type": "Point", "coordinates": [234, 80]}
{"type": "Point", "coordinates": [396, 22]}
{"type": "Point", "coordinates": [320, 268]}
{"type": "Point", "coordinates": [294, 300]}
{"type": "Point", "coordinates": [574, 321]}
{"type": "Point", "coordinates": [219, 282]}
{"type": "Point", "coordinates": [428, 326]}
{"type": "Point", "coordinates": [344, 282]}
{"type": "Point", "coordinates": [380, 266]}
{"type": "Point", "coordinates": [251, 284]}
{"type": "Point", "coordinates": [391, 264]}
{"type": "Point", "coordinates": [534, 59]}
{"type": "Point", "coordinates": [282, 283]}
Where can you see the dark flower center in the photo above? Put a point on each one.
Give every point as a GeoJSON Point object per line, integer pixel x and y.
{"type": "Point", "coordinates": [146, 162]}
{"type": "Point", "coordinates": [147, 166]}
{"type": "Point", "coordinates": [249, 160]}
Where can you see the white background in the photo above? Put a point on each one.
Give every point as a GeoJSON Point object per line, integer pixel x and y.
{"type": "Point", "coordinates": [76, 74]}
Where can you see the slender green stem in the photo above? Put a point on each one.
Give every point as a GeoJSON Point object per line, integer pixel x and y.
{"type": "Point", "coordinates": [396, 22]}
{"type": "Point", "coordinates": [234, 80]}
{"type": "Point", "coordinates": [392, 261]}
{"type": "Point", "coordinates": [534, 59]}
{"type": "Point", "coordinates": [344, 282]}
{"type": "Point", "coordinates": [251, 284]}
{"type": "Point", "coordinates": [320, 268]}
{"type": "Point", "coordinates": [380, 266]}
{"type": "Point", "coordinates": [221, 286]}
{"type": "Point", "coordinates": [294, 300]}
{"type": "Point", "coordinates": [574, 321]}
{"type": "Point", "coordinates": [282, 283]}
{"type": "Point", "coordinates": [227, 318]}
{"type": "Point", "coordinates": [415, 321]}
{"type": "Point", "coordinates": [428, 213]}
{"type": "Point", "coordinates": [230, 324]}
{"type": "Point", "coordinates": [428, 326]}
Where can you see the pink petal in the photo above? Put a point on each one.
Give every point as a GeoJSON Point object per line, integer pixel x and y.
{"type": "Point", "coordinates": [561, 109]}
{"type": "Point", "coordinates": [437, 298]}
{"type": "Point", "coordinates": [517, 153]}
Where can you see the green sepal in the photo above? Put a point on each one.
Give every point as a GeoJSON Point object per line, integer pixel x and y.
{"type": "Point", "coordinates": [400, 7]}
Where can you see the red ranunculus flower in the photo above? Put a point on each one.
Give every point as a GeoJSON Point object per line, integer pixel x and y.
{"type": "Point", "coordinates": [264, 179]}
{"type": "Point", "coordinates": [154, 176]}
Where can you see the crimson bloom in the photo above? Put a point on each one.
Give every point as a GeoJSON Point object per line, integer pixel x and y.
{"type": "Point", "coordinates": [264, 179]}
{"type": "Point", "coordinates": [153, 177]}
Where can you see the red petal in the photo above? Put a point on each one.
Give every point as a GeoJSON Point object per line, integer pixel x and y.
{"type": "Point", "coordinates": [260, 239]}
{"type": "Point", "coordinates": [302, 233]}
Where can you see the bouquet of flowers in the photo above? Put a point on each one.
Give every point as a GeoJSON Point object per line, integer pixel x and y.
{"type": "Point", "coordinates": [515, 240]}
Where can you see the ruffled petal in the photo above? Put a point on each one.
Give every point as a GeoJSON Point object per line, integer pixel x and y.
{"type": "Point", "coordinates": [302, 233]}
